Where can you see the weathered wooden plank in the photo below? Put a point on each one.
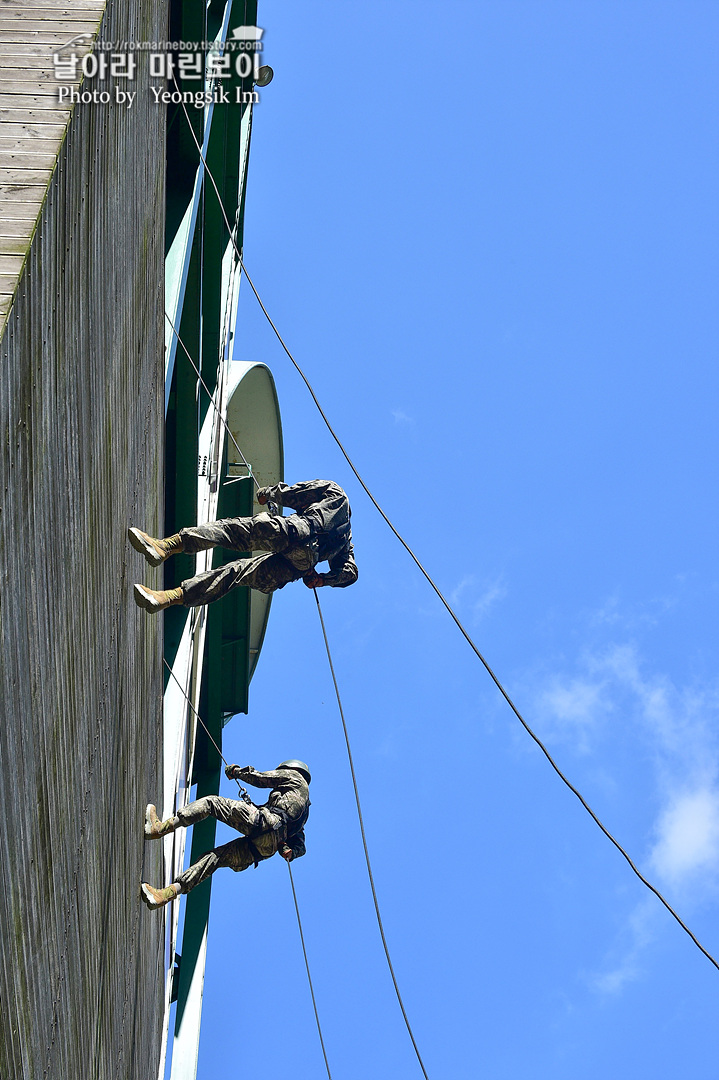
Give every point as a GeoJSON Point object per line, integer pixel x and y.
{"type": "Point", "coordinates": [5, 302]}
{"type": "Point", "coordinates": [32, 62]}
{"type": "Point", "coordinates": [34, 79]}
{"type": "Point", "coordinates": [13, 245]}
{"type": "Point", "coordinates": [25, 85]}
{"type": "Point", "coordinates": [8, 281]}
{"type": "Point", "coordinates": [21, 109]}
{"type": "Point", "coordinates": [28, 142]}
{"type": "Point", "coordinates": [10, 265]}
{"type": "Point", "coordinates": [23, 49]}
{"type": "Point", "coordinates": [25, 82]}
{"type": "Point", "coordinates": [34, 94]}
{"type": "Point", "coordinates": [34, 17]}
{"type": "Point", "coordinates": [21, 208]}
{"type": "Point", "coordinates": [27, 23]}
{"type": "Point", "coordinates": [29, 62]}
{"type": "Point", "coordinates": [37, 81]}
{"type": "Point", "coordinates": [13, 228]}
{"type": "Point", "coordinates": [55, 39]}
{"type": "Point", "coordinates": [79, 5]}
{"type": "Point", "coordinates": [35, 13]}
{"type": "Point", "coordinates": [29, 55]}
{"type": "Point", "coordinates": [20, 253]}
{"type": "Point", "coordinates": [96, 7]}
{"type": "Point", "coordinates": [25, 177]}
{"type": "Point", "coordinates": [43, 160]}
{"type": "Point", "coordinates": [18, 70]}
{"type": "Point", "coordinates": [32, 152]}
{"type": "Point", "coordinates": [31, 132]}
{"type": "Point", "coordinates": [37, 87]}
{"type": "Point", "coordinates": [45, 35]}
{"type": "Point", "coordinates": [19, 192]}
{"type": "Point", "coordinates": [18, 189]}
{"type": "Point", "coordinates": [20, 213]}
{"type": "Point", "coordinates": [26, 223]}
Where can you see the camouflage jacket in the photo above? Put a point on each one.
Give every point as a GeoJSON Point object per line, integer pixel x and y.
{"type": "Point", "coordinates": [326, 509]}
{"type": "Point", "coordinates": [290, 793]}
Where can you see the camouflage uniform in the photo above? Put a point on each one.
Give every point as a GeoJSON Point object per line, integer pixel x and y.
{"type": "Point", "coordinates": [264, 830]}
{"type": "Point", "coordinates": [291, 546]}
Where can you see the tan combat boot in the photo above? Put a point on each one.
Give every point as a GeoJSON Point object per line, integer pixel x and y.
{"type": "Point", "coordinates": [154, 828]}
{"type": "Point", "coordinates": [154, 600]}
{"type": "Point", "coordinates": [156, 898]}
{"type": "Point", "coordinates": [155, 551]}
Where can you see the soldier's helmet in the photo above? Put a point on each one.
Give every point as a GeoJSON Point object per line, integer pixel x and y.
{"type": "Point", "coordinates": [298, 766]}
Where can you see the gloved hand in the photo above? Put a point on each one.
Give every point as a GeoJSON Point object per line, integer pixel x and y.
{"type": "Point", "coordinates": [313, 580]}
{"type": "Point", "coordinates": [286, 852]}
{"type": "Point", "coordinates": [236, 772]}
{"type": "Point", "coordinates": [261, 497]}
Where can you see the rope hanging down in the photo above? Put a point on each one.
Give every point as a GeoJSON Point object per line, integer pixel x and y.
{"type": "Point", "coordinates": [215, 406]}
{"type": "Point", "coordinates": [436, 588]}
{"type": "Point", "coordinates": [364, 841]}
{"type": "Point", "coordinates": [309, 977]}
{"type": "Point", "coordinates": [292, 883]}
{"type": "Point", "coordinates": [243, 794]}
{"type": "Point", "coordinates": [471, 643]}
{"type": "Point", "coordinates": [243, 791]}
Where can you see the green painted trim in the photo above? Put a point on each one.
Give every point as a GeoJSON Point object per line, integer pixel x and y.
{"type": "Point", "coordinates": [225, 682]}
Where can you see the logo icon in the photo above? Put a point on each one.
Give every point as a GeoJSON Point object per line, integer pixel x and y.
{"type": "Point", "coordinates": [247, 33]}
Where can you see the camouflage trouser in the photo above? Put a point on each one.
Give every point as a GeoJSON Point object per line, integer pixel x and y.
{"type": "Point", "coordinates": [245, 817]}
{"type": "Point", "coordinates": [289, 552]}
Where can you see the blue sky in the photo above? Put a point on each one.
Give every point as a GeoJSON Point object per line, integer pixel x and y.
{"type": "Point", "coordinates": [488, 232]}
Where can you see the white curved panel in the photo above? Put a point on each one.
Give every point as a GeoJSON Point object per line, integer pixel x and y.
{"type": "Point", "coordinates": [253, 417]}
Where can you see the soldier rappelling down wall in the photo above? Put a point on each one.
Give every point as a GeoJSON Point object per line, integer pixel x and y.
{"type": "Point", "coordinates": [277, 825]}
{"type": "Point", "coordinates": [318, 531]}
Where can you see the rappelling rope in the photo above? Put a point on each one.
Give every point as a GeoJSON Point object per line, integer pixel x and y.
{"type": "Point", "coordinates": [354, 781]}
{"type": "Point", "coordinates": [309, 977]}
{"type": "Point", "coordinates": [243, 791]}
{"type": "Point", "coordinates": [364, 841]}
{"type": "Point", "coordinates": [436, 588]}
{"type": "Point", "coordinates": [474, 648]}
{"type": "Point", "coordinates": [476, 651]}
{"type": "Point", "coordinates": [215, 406]}
{"type": "Point", "coordinates": [243, 794]}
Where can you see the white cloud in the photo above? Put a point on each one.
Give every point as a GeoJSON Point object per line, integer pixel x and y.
{"type": "Point", "coordinates": [401, 417]}
{"type": "Point", "coordinates": [678, 753]}
{"type": "Point", "coordinates": [611, 982]}
{"type": "Point", "coordinates": [686, 853]}
{"type": "Point", "coordinates": [625, 966]}
{"type": "Point", "coordinates": [569, 708]}
{"type": "Point", "coordinates": [455, 597]}
{"type": "Point", "coordinates": [679, 722]}
{"type": "Point", "coordinates": [630, 619]}
{"type": "Point", "coordinates": [688, 835]}
{"type": "Point", "coordinates": [477, 597]}
{"type": "Point", "coordinates": [576, 701]}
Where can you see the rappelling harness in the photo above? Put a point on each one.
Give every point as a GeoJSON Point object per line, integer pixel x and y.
{"type": "Point", "coordinates": [286, 828]}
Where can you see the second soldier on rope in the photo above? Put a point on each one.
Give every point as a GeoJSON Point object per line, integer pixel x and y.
{"type": "Point", "coordinates": [284, 548]}
{"type": "Point", "coordinates": [277, 825]}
